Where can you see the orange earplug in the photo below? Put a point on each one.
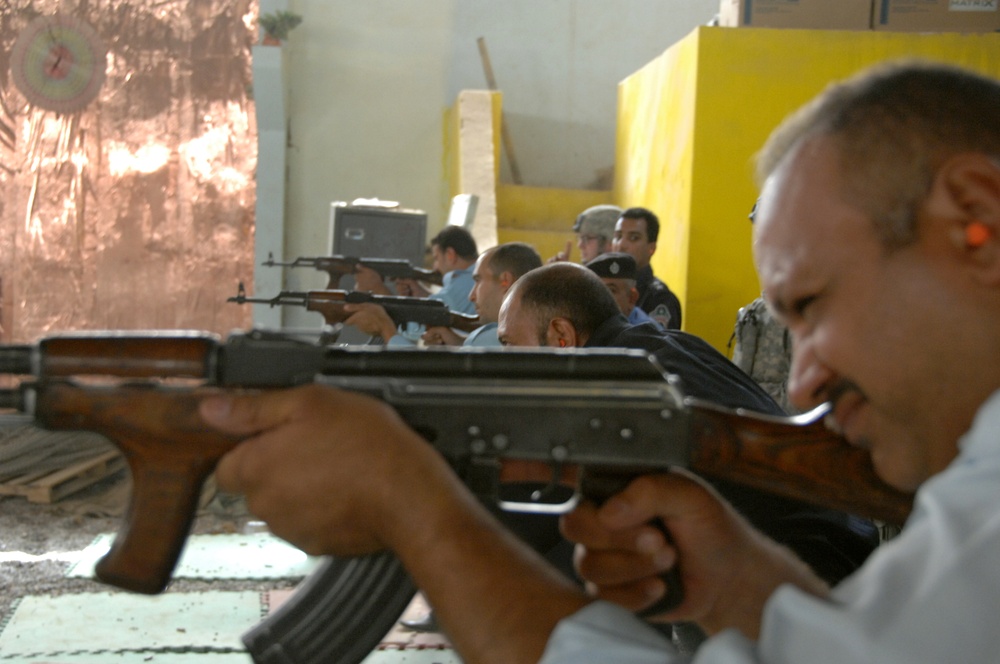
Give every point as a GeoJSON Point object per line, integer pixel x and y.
{"type": "Point", "coordinates": [977, 234]}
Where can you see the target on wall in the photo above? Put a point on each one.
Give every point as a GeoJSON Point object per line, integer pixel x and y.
{"type": "Point", "coordinates": [58, 63]}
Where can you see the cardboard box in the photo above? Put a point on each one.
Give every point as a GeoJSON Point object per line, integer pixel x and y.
{"type": "Point", "coordinates": [936, 15]}
{"type": "Point", "coordinates": [808, 14]}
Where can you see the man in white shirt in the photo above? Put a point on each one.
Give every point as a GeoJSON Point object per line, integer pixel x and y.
{"type": "Point", "coordinates": [878, 244]}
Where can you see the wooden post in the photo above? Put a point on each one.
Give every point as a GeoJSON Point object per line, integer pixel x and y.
{"type": "Point", "coordinates": [508, 146]}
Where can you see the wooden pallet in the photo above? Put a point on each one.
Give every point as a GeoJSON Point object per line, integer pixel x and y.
{"type": "Point", "coordinates": [49, 487]}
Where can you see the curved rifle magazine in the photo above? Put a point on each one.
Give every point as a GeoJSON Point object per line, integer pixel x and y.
{"type": "Point", "coordinates": [340, 614]}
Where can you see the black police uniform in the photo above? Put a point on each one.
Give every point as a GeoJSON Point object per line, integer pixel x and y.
{"type": "Point", "coordinates": [657, 300]}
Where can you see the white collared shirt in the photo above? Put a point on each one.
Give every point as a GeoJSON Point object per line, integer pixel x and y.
{"type": "Point", "coordinates": [931, 595]}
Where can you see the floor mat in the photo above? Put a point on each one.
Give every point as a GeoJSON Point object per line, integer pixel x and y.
{"type": "Point", "coordinates": [138, 658]}
{"type": "Point", "coordinates": [174, 628]}
{"type": "Point", "coordinates": [381, 657]}
{"type": "Point", "coordinates": [45, 629]}
{"type": "Point", "coordinates": [226, 556]}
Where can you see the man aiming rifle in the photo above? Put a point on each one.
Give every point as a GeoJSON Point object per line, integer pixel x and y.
{"type": "Point", "coordinates": [878, 244]}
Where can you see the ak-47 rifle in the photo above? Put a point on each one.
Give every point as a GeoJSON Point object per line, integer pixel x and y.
{"type": "Point", "coordinates": [402, 310]}
{"type": "Point", "coordinates": [339, 267]}
{"type": "Point", "coordinates": [609, 413]}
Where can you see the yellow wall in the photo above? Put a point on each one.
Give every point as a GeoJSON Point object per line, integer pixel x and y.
{"type": "Point", "coordinates": [690, 122]}
{"type": "Point", "coordinates": [543, 217]}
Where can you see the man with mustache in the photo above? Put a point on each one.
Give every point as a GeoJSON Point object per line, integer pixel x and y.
{"type": "Point", "coordinates": [878, 244]}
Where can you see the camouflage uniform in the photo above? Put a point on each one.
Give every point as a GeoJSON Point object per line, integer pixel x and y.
{"type": "Point", "coordinates": [764, 351]}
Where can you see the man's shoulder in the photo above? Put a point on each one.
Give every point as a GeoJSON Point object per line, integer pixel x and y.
{"type": "Point", "coordinates": [706, 373]}
{"type": "Point", "coordinates": [461, 274]}
{"type": "Point", "coordinates": [637, 316]}
{"type": "Point", "coordinates": [658, 287]}
{"type": "Point", "coordinates": [483, 336]}
{"type": "Point", "coordinates": [661, 304]}
{"type": "Point", "coordinates": [455, 291]}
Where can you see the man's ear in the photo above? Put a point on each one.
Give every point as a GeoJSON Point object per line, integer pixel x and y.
{"type": "Point", "coordinates": [633, 295]}
{"type": "Point", "coordinates": [965, 197]}
{"type": "Point", "coordinates": [562, 334]}
{"type": "Point", "coordinates": [506, 280]}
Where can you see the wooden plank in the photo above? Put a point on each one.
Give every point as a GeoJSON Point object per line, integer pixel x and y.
{"type": "Point", "coordinates": [50, 487]}
{"type": "Point", "coordinates": [508, 144]}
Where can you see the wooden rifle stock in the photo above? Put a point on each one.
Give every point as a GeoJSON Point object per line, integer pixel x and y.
{"type": "Point", "coordinates": [795, 458]}
{"type": "Point", "coordinates": [170, 453]}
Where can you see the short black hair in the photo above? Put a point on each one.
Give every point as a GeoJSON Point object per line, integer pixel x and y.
{"type": "Point", "coordinates": [518, 258]}
{"type": "Point", "coordinates": [652, 221]}
{"type": "Point", "coordinates": [566, 290]}
{"type": "Point", "coordinates": [459, 239]}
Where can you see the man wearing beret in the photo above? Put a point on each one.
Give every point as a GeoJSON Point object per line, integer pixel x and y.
{"type": "Point", "coordinates": [617, 270]}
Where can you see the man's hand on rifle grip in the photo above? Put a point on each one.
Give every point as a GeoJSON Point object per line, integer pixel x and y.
{"type": "Point", "coordinates": [368, 280]}
{"type": "Point", "coordinates": [410, 288]}
{"type": "Point", "coordinates": [728, 569]}
{"type": "Point", "coordinates": [371, 319]}
{"type": "Point", "coordinates": [442, 336]}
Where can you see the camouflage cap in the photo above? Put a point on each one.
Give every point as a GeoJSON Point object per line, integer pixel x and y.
{"type": "Point", "coordinates": [598, 220]}
{"type": "Point", "coordinates": [614, 265]}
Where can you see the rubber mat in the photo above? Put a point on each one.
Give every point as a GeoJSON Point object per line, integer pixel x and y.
{"type": "Point", "coordinates": [227, 556]}
{"type": "Point", "coordinates": [174, 628]}
{"type": "Point", "coordinates": [46, 629]}
{"type": "Point", "coordinates": [138, 658]}
{"type": "Point", "coordinates": [395, 657]}
{"type": "Point", "coordinates": [413, 657]}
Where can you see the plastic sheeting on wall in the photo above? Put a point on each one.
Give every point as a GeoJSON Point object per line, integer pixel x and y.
{"type": "Point", "coordinates": [135, 211]}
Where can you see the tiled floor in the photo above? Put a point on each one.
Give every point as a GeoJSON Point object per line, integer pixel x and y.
{"type": "Point", "coordinates": [181, 628]}
{"type": "Point", "coordinates": [230, 556]}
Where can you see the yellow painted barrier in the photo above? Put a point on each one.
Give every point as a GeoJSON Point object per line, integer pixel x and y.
{"type": "Point", "coordinates": [690, 121]}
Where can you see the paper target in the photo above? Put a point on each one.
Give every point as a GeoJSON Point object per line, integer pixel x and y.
{"type": "Point", "coordinates": [58, 63]}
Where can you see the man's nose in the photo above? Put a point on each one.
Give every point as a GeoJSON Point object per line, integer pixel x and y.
{"type": "Point", "coordinates": [808, 378]}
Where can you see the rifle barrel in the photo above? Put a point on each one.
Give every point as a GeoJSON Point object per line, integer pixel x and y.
{"type": "Point", "coordinates": [284, 297]}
